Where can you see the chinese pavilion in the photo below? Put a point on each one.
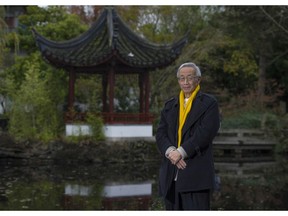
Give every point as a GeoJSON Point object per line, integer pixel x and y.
{"type": "Point", "coordinates": [110, 48]}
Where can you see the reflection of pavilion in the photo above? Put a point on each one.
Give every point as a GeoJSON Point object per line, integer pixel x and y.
{"type": "Point", "coordinates": [136, 196]}
{"type": "Point", "coordinates": [127, 196]}
{"type": "Point", "coordinates": [77, 190]}
{"type": "Point", "coordinates": [75, 196]}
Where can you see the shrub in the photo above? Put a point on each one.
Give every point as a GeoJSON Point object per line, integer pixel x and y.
{"type": "Point", "coordinates": [251, 120]}
{"type": "Point", "coordinates": [34, 114]}
{"type": "Point", "coordinates": [96, 127]}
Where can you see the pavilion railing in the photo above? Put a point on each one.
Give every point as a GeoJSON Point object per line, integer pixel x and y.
{"type": "Point", "coordinates": [112, 118]}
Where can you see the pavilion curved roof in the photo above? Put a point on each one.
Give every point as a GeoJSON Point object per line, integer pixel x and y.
{"type": "Point", "coordinates": [108, 41]}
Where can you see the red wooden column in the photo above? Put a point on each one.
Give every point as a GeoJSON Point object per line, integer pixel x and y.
{"type": "Point", "coordinates": [111, 81]}
{"type": "Point", "coordinates": [141, 96]}
{"type": "Point", "coordinates": [147, 91]}
{"type": "Point", "coordinates": [72, 78]}
{"type": "Point", "coordinates": [104, 92]}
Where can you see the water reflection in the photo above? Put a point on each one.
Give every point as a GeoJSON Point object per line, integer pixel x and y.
{"type": "Point", "coordinates": [115, 196]}
{"type": "Point", "coordinates": [240, 186]}
{"type": "Point", "coordinates": [76, 195]}
{"type": "Point", "coordinates": [83, 188]}
{"type": "Point", "coordinates": [242, 168]}
{"type": "Point", "coordinates": [127, 196]}
{"type": "Point", "coordinates": [252, 185]}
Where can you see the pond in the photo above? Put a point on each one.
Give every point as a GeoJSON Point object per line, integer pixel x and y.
{"type": "Point", "coordinates": [241, 186]}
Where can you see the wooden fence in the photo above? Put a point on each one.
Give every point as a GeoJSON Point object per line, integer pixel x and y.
{"type": "Point", "coordinates": [243, 145]}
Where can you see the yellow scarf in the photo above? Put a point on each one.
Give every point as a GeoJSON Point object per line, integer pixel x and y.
{"type": "Point", "coordinates": [183, 111]}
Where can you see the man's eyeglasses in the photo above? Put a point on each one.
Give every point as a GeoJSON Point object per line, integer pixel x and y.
{"type": "Point", "coordinates": [188, 78]}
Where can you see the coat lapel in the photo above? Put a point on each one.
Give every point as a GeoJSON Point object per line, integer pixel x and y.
{"type": "Point", "coordinates": [197, 110]}
{"type": "Point", "coordinates": [175, 114]}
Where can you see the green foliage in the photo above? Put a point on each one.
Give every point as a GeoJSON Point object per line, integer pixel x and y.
{"type": "Point", "coordinates": [96, 132]}
{"type": "Point", "coordinates": [41, 196]}
{"type": "Point", "coordinates": [251, 119]}
{"type": "Point", "coordinates": [88, 90]}
{"type": "Point", "coordinates": [241, 62]}
{"type": "Point", "coordinates": [3, 37]}
{"type": "Point", "coordinates": [127, 94]}
{"type": "Point", "coordinates": [96, 126]}
{"type": "Point", "coordinates": [34, 113]}
{"type": "Point", "coordinates": [47, 195]}
{"type": "Point", "coordinates": [226, 42]}
{"type": "Point", "coordinates": [260, 36]}
{"type": "Point", "coordinates": [52, 22]}
{"type": "Point", "coordinates": [32, 84]}
{"type": "Point", "coordinates": [6, 37]}
{"type": "Point", "coordinates": [161, 24]}
{"type": "Point", "coordinates": [226, 60]}
{"type": "Point", "coordinates": [282, 146]}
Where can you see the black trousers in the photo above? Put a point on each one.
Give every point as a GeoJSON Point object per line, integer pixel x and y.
{"type": "Point", "coordinates": [194, 200]}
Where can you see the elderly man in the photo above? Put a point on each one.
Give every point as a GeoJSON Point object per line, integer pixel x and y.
{"type": "Point", "coordinates": [188, 125]}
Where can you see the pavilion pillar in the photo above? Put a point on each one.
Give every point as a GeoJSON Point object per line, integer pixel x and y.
{"type": "Point", "coordinates": [147, 91]}
{"type": "Point", "coordinates": [71, 96]}
{"type": "Point", "coordinates": [141, 97]}
{"type": "Point", "coordinates": [111, 81]}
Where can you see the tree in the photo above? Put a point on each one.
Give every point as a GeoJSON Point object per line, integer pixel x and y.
{"type": "Point", "coordinates": [53, 22]}
{"type": "Point", "coordinates": [165, 25]}
{"type": "Point", "coordinates": [277, 69]}
{"type": "Point", "coordinates": [2, 51]}
{"type": "Point", "coordinates": [238, 48]}
{"type": "Point", "coordinates": [34, 113]}
{"type": "Point", "coordinates": [279, 16]}
{"type": "Point", "coordinates": [3, 27]}
{"type": "Point", "coordinates": [36, 89]}
{"type": "Point", "coordinates": [260, 35]}
{"type": "Point", "coordinates": [87, 13]}
{"type": "Point", "coordinates": [6, 57]}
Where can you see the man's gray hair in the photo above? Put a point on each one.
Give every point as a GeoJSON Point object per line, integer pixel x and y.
{"type": "Point", "coordinates": [190, 64]}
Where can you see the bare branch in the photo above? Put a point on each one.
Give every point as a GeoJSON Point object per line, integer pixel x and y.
{"type": "Point", "coordinates": [277, 57]}
{"type": "Point", "coordinates": [273, 20]}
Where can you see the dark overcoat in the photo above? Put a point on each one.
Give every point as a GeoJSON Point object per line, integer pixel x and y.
{"type": "Point", "coordinates": [201, 126]}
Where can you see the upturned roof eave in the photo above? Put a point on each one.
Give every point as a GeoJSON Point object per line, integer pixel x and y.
{"type": "Point", "coordinates": [168, 53]}
{"type": "Point", "coordinates": [98, 25]}
{"type": "Point", "coordinates": [115, 54]}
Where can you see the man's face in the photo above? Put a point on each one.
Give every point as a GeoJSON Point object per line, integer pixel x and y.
{"type": "Point", "coordinates": [188, 80]}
